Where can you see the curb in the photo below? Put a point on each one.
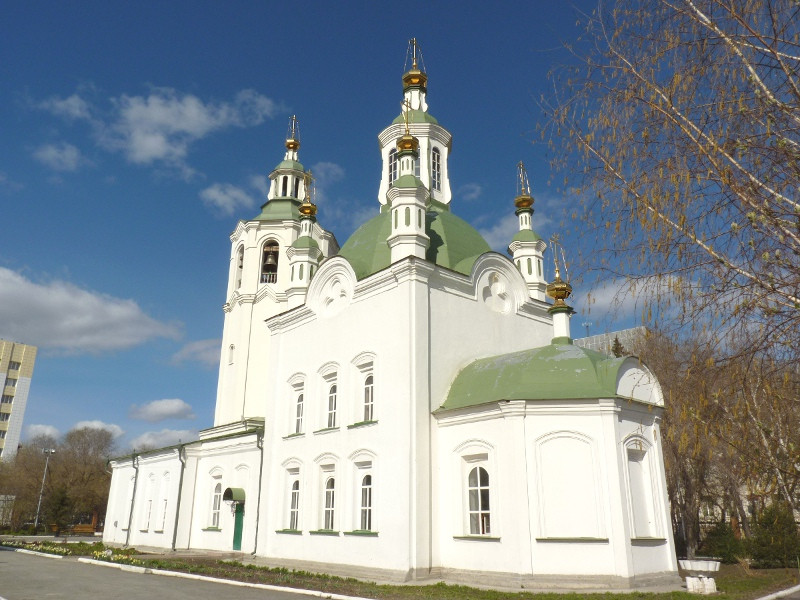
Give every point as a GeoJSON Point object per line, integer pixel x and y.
{"type": "Point", "coordinates": [34, 553]}
{"type": "Point", "coordinates": [258, 586]}
{"type": "Point", "coordinates": [781, 594]}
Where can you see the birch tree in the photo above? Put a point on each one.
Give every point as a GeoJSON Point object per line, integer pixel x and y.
{"type": "Point", "coordinates": [682, 121]}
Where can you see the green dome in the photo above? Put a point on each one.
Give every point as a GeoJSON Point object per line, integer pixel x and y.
{"type": "Point", "coordinates": [305, 241]}
{"type": "Point", "coordinates": [279, 210]}
{"type": "Point", "coordinates": [289, 164]}
{"type": "Point", "coordinates": [555, 372]}
{"type": "Point", "coordinates": [455, 244]}
{"type": "Point", "coordinates": [415, 116]}
{"type": "Point", "coordinates": [526, 235]}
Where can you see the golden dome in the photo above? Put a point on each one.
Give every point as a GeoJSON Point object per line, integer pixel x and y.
{"type": "Point", "coordinates": [307, 209]}
{"type": "Point", "coordinates": [292, 144]}
{"type": "Point", "coordinates": [523, 202]}
{"type": "Point", "coordinates": [414, 78]}
{"type": "Point", "coordinates": [559, 290]}
{"type": "Point", "coordinates": [408, 142]}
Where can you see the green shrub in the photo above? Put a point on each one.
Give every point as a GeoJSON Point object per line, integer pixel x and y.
{"type": "Point", "coordinates": [720, 542]}
{"type": "Point", "coordinates": [775, 541]}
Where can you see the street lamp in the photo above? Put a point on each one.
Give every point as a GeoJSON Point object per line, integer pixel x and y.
{"type": "Point", "coordinates": [587, 324]}
{"type": "Point", "coordinates": [47, 452]}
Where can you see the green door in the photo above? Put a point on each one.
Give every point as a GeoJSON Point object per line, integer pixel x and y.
{"type": "Point", "coordinates": [237, 526]}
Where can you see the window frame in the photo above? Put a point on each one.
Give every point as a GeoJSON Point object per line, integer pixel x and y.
{"type": "Point", "coordinates": [436, 169]}
{"type": "Point", "coordinates": [216, 505]}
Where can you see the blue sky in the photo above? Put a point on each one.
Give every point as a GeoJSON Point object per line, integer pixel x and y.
{"type": "Point", "coordinates": [135, 135]}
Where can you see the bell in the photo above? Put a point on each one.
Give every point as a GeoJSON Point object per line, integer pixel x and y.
{"type": "Point", "coordinates": [270, 260]}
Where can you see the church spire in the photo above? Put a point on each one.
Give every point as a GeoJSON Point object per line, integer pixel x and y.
{"type": "Point", "coordinates": [415, 80]}
{"type": "Point", "coordinates": [292, 139]}
{"type": "Point", "coordinates": [526, 247]}
{"type": "Point", "coordinates": [524, 201]}
{"type": "Point", "coordinates": [559, 290]}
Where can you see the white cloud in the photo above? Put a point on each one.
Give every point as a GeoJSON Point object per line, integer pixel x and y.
{"type": "Point", "coordinates": [160, 410]}
{"type": "Point", "coordinates": [499, 235]}
{"type": "Point", "coordinates": [623, 299]}
{"type": "Point", "coordinates": [325, 173]}
{"type": "Point", "coordinates": [260, 183]}
{"type": "Point", "coordinates": [8, 183]}
{"type": "Point", "coordinates": [205, 352]}
{"type": "Point", "coordinates": [162, 125]}
{"type": "Point", "coordinates": [226, 198]}
{"type": "Point", "coordinates": [72, 107]}
{"type": "Point", "coordinates": [62, 317]}
{"type": "Point", "coordinates": [469, 192]}
{"type": "Point", "coordinates": [60, 157]}
{"type": "Point", "coordinates": [165, 437]}
{"type": "Point", "coordinates": [115, 430]}
{"type": "Point", "coordinates": [37, 430]}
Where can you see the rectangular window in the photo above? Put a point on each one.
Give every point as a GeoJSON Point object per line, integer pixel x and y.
{"type": "Point", "coordinates": [148, 509]}
{"type": "Point", "coordinates": [369, 398]}
{"type": "Point", "coordinates": [7, 399]}
{"type": "Point", "coordinates": [366, 503]}
{"type": "Point", "coordinates": [163, 513]}
{"type": "Point", "coordinates": [11, 382]}
{"type": "Point", "coordinates": [330, 503]}
{"type": "Point", "coordinates": [332, 393]}
{"type": "Point", "coordinates": [294, 505]}
{"type": "Point", "coordinates": [5, 416]}
{"type": "Point", "coordinates": [298, 420]}
{"type": "Point", "coordinates": [14, 365]}
{"type": "Point", "coordinates": [2, 434]}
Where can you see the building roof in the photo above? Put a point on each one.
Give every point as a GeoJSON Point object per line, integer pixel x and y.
{"type": "Point", "coordinates": [455, 244]}
{"type": "Point", "coordinates": [555, 372]}
{"type": "Point", "coordinates": [526, 235]}
{"type": "Point", "coordinates": [305, 241]}
{"type": "Point", "coordinates": [415, 116]}
{"type": "Point", "coordinates": [279, 210]}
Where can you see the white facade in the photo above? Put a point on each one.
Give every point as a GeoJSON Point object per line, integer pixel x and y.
{"type": "Point", "coordinates": [402, 413]}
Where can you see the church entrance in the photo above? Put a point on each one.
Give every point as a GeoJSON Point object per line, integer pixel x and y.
{"type": "Point", "coordinates": [236, 496]}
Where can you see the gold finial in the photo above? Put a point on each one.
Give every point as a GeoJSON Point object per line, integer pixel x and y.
{"type": "Point", "coordinates": [406, 109]}
{"type": "Point", "coordinates": [308, 208]}
{"type": "Point", "coordinates": [524, 200]}
{"type": "Point", "coordinates": [293, 134]}
{"type": "Point", "coordinates": [558, 289]}
{"type": "Point", "coordinates": [408, 141]}
{"type": "Point", "coordinates": [415, 77]}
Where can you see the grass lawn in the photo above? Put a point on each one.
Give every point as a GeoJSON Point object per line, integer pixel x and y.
{"type": "Point", "coordinates": [733, 581]}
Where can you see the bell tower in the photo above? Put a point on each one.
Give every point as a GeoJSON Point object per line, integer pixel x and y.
{"type": "Point", "coordinates": [260, 282]}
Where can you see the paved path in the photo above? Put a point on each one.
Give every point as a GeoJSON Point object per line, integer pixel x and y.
{"type": "Point", "coordinates": [31, 577]}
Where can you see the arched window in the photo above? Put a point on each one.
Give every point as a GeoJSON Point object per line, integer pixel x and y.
{"type": "Point", "coordinates": [478, 497]}
{"type": "Point", "coordinates": [269, 262]}
{"type": "Point", "coordinates": [294, 505]}
{"type": "Point", "coordinates": [296, 186]}
{"type": "Point", "coordinates": [332, 406]}
{"type": "Point", "coordinates": [366, 503]}
{"type": "Point", "coordinates": [231, 353]}
{"type": "Point", "coordinates": [239, 267]}
{"type": "Point", "coordinates": [330, 500]}
{"type": "Point", "coordinates": [436, 169]}
{"type": "Point", "coordinates": [298, 419]}
{"type": "Point", "coordinates": [215, 505]}
{"type": "Point", "coordinates": [284, 186]}
{"type": "Point", "coordinates": [392, 165]}
{"type": "Point", "coordinates": [369, 399]}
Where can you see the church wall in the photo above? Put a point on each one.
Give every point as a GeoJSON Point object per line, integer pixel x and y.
{"type": "Point", "coordinates": [227, 463]}
{"type": "Point", "coordinates": [464, 328]}
{"type": "Point", "coordinates": [560, 493]}
{"type": "Point", "coordinates": [313, 355]}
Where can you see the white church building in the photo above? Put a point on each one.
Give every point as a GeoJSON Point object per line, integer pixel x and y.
{"type": "Point", "coordinates": [409, 406]}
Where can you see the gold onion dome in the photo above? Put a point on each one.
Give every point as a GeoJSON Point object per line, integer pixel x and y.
{"type": "Point", "coordinates": [414, 77]}
{"type": "Point", "coordinates": [559, 290]}
{"type": "Point", "coordinates": [524, 200]}
{"type": "Point", "coordinates": [293, 134]}
{"type": "Point", "coordinates": [408, 142]}
{"type": "Point", "coordinates": [307, 209]}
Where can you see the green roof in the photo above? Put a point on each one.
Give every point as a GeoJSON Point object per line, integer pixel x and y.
{"type": "Point", "coordinates": [555, 372]}
{"type": "Point", "coordinates": [416, 116]}
{"type": "Point", "coordinates": [289, 164]}
{"type": "Point", "coordinates": [526, 235]}
{"type": "Point", "coordinates": [455, 244]}
{"type": "Point", "coordinates": [407, 181]}
{"type": "Point", "coordinates": [279, 210]}
{"type": "Point", "coordinates": [305, 242]}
